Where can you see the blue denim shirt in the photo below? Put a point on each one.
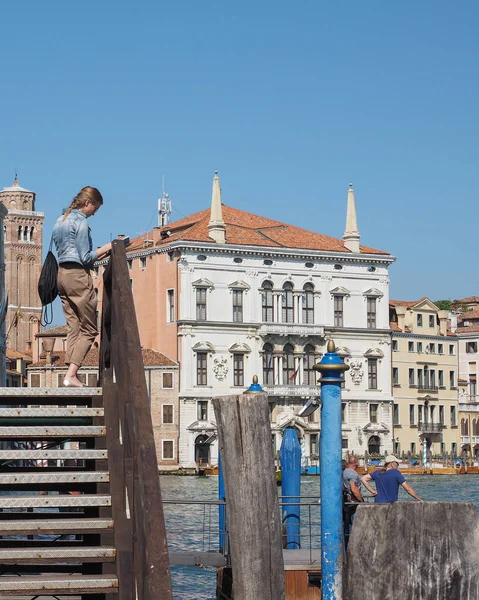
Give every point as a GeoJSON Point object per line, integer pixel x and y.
{"type": "Point", "coordinates": [73, 240]}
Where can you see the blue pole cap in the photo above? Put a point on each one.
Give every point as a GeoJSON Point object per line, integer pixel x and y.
{"type": "Point", "coordinates": [255, 387]}
{"type": "Point", "coordinates": [331, 362]}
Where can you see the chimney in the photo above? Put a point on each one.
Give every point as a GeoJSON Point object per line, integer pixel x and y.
{"type": "Point", "coordinates": [28, 347]}
{"type": "Point", "coordinates": [453, 317]}
{"type": "Point", "coordinates": [401, 314]}
{"type": "Point", "coordinates": [48, 344]}
{"type": "Point", "coordinates": [443, 316]}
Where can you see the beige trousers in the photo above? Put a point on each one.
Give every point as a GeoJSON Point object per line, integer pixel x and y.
{"type": "Point", "coordinates": [75, 288]}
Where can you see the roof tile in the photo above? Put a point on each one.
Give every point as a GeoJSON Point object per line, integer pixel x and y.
{"type": "Point", "coordinates": [247, 229]}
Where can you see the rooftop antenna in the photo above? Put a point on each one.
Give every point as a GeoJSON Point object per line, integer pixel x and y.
{"type": "Point", "coordinates": [164, 206]}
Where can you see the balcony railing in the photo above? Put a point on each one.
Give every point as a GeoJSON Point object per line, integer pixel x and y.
{"type": "Point", "coordinates": [427, 387]}
{"type": "Point", "coordinates": [430, 427]}
{"type": "Point", "coordinates": [470, 439]}
{"type": "Point", "coordinates": [292, 390]}
{"type": "Point", "coordinates": [303, 329]}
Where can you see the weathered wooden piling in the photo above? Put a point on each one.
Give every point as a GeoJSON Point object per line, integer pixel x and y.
{"type": "Point", "coordinates": [254, 523]}
{"type": "Point", "coordinates": [423, 551]}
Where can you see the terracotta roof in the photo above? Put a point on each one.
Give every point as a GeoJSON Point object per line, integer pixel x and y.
{"type": "Point", "coordinates": [247, 229]}
{"type": "Point", "coordinates": [469, 329]}
{"type": "Point", "coordinates": [14, 354]}
{"type": "Point", "coordinates": [469, 316]}
{"type": "Point", "coordinates": [468, 300]}
{"type": "Point", "coordinates": [60, 330]}
{"type": "Point", "coordinates": [151, 358]}
{"type": "Point", "coordinates": [406, 302]}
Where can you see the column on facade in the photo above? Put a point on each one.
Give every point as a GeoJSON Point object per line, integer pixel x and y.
{"type": "Point", "coordinates": [276, 312]}
{"type": "Point", "coordinates": [298, 312]}
{"type": "Point", "coordinates": [317, 317]}
{"type": "Point", "coordinates": [296, 368]}
{"type": "Point", "coordinates": [278, 361]}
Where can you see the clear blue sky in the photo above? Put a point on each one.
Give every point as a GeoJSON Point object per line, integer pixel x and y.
{"type": "Point", "coordinates": [288, 100]}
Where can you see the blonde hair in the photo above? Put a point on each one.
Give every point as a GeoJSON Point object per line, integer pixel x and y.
{"type": "Point", "coordinates": [84, 196]}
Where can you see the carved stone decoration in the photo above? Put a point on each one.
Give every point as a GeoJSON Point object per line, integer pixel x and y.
{"type": "Point", "coordinates": [356, 370]}
{"type": "Point", "coordinates": [220, 368]}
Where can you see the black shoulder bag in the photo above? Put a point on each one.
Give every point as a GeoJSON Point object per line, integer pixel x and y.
{"type": "Point", "coordinates": [47, 285]}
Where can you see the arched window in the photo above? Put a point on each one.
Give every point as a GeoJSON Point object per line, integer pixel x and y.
{"type": "Point", "coordinates": [20, 233]}
{"type": "Point", "coordinates": [268, 366]}
{"type": "Point", "coordinates": [374, 445]}
{"type": "Point", "coordinates": [308, 303]}
{"type": "Point", "coordinates": [464, 427]}
{"type": "Point", "coordinates": [308, 364]}
{"type": "Point", "coordinates": [267, 302]}
{"type": "Point", "coordinates": [287, 302]}
{"type": "Point", "coordinates": [475, 427]}
{"type": "Point", "coordinates": [289, 374]}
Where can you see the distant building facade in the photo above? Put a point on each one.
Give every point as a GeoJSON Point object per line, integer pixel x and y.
{"type": "Point", "coordinates": [3, 300]}
{"type": "Point", "coordinates": [230, 294]}
{"type": "Point", "coordinates": [468, 336]}
{"type": "Point", "coordinates": [49, 369]}
{"type": "Point", "coordinates": [424, 378]}
{"type": "Point", "coordinates": [17, 364]}
{"type": "Point", "coordinates": [22, 230]}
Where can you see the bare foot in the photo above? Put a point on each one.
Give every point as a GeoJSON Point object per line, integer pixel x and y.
{"type": "Point", "coordinates": [73, 382]}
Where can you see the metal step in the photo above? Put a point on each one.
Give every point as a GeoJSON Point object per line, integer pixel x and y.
{"type": "Point", "coordinates": [59, 526]}
{"type": "Point", "coordinates": [51, 412]}
{"type": "Point", "coordinates": [7, 393]}
{"type": "Point", "coordinates": [62, 584]}
{"type": "Point", "coordinates": [54, 500]}
{"type": "Point", "coordinates": [10, 556]}
{"type": "Point", "coordinates": [57, 477]}
{"type": "Point", "coordinates": [28, 433]}
{"type": "Point", "coordinates": [54, 454]}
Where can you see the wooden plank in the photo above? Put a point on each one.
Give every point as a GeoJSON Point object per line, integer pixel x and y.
{"type": "Point", "coordinates": [413, 550]}
{"type": "Point", "coordinates": [153, 579]}
{"type": "Point", "coordinates": [254, 519]}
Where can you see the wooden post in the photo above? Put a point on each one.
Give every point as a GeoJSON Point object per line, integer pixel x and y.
{"type": "Point", "coordinates": [413, 550]}
{"type": "Point", "coordinates": [252, 506]}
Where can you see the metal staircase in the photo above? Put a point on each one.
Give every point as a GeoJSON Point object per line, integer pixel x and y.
{"type": "Point", "coordinates": [55, 505]}
{"type": "Point", "coordinates": [81, 513]}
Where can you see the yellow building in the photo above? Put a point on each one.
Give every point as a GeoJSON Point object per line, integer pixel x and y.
{"type": "Point", "coordinates": [424, 378]}
{"type": "Point", "coordinates": [468, 336]}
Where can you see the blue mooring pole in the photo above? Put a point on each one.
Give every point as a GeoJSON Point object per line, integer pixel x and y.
{"type": "Point", "coordinates": [331, 368]}
{"type": "Point", "coordinates": [290, 457]}
{"type": "Point", "coordinates": [221, 498]}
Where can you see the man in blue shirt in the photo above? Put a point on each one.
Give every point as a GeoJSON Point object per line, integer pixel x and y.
{"type": "Point", "coordinates": [387, 481]}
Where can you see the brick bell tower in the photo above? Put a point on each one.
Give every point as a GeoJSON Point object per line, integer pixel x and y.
{"type": "Point", "coordinates": [23, 231]}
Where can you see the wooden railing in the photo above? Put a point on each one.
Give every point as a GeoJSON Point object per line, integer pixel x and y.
{"type": "Point", "coordinates": [139, 528]}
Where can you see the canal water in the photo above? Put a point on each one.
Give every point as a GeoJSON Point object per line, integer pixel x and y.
{"type": "Point", "coordinates": [194, 527]}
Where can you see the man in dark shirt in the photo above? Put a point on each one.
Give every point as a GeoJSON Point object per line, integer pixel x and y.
{"type": "Point", "coordinates": [387, 481]}
{"type": "Point", "coordinates": [352, 494]}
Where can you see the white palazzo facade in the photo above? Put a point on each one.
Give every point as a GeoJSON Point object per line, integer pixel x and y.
{"type": "Point", "coordinates": [269, 311]}
{"type": "Point", "coordinates": [274, 320]}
